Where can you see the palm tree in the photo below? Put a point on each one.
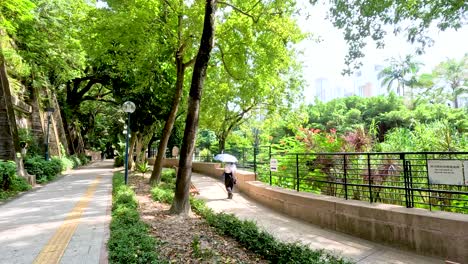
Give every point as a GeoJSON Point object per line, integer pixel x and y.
{"type": "Point", "coordinates": [454, 74]}
{"type": "Point", "coordinates": [402, 71]}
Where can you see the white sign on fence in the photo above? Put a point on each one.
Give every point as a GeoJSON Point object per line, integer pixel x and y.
{"type": "Point", "coordinates": [445, 172]}
{"type": "Point", "coordinates": [273, 165]}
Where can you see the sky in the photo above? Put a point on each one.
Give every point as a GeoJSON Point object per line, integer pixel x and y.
{"type": "Point", "coordinates": [326, 59]}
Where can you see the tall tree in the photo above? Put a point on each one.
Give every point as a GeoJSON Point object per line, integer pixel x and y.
{"type": "Point", "coordinates": [181, 204]}
{"type": "Point", "coordinates": [184, 44]}
{"type": "Point", "coordinates": [254, 66]}
{"type": "Point", "coordinates": [454, 74]}
{"type": "Point", "coordinates": [402, 71]}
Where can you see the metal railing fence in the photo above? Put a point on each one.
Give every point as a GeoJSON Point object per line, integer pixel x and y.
{"type": "Point", "coordinates": [392, 178]}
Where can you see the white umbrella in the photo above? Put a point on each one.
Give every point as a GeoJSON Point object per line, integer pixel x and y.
{"type": "Point", "coordinates": [225, 158]}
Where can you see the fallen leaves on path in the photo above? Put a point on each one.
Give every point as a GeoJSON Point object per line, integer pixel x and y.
{"type": "Point", "coordinates": [187, 239]}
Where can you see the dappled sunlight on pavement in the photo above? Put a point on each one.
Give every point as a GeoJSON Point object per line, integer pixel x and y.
{"type": "Point", "coordinates": [29, 222]}
{"type": "Point", "coordinates": [289, 229]}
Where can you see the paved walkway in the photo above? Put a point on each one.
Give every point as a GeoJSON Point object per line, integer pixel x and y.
{"type": "Point", "coordinates": [65, 221]}
{"type": "Point", "coordinates": [291, 230]}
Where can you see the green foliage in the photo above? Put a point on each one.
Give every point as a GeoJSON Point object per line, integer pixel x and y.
{"type": "Point", "coordinates": [125, 197]}
{"type": "Point", "coordinates": [402, 71]}
{"type": "Point", "coordinates": [435, 136]}
{"type": "Point", "coordinates": [168, 176]}
{"type": "Point", "coordinates": [65, 162]}
{"type": "Point", "coordinates": [43, 170]}
{"type": "Point", "coordinates": [10, 183]}
{"type": "Point", "coordinates": [143, 167]}
{"type": "Point", "coordinates": [206, 155]}
{"type": "Point", "coordinates": [7, 174]}
{"type": "Point", "coordinates": [119, 161]}
{"type": "Point", "coordinates": [130, 241]}
{"type": "Point", "coordinates": [162, 194]}
{"type": "Point", "coordinates": [78, 160]}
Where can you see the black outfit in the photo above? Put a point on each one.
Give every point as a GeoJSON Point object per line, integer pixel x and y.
{"type": "Point", "coordinates": [229, 182]}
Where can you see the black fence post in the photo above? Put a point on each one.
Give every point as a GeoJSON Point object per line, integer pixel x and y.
{"type": "Point", "coordinates": [269, 154]}
{"type": "Point", "coordinates": [255, 161]}
{"type": "Point", "coordinates": [405, 179]}
{"type": "Point", "coordinates": [369, 177]}
{"type": "Point", "coordinates": [429, 183]}
{"type": "Point", "coordinates": [297, 172]}
{"type": "Point", "coordinates": [345, 177]}
{"type": "Point", "coordinates": [410, 185]}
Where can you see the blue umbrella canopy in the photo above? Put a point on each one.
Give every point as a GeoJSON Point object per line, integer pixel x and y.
{"type": "Point", "coordinates": [225, 158]}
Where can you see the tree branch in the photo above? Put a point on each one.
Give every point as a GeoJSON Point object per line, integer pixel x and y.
{"type": "Point", "coordinates": [92, 98]}
{"type": "Point", "coordinates": [190, 63]}
{"type": "Point", "coordinates": [225, 65]}
{"type": "Point", "coordinates": [254, 19]}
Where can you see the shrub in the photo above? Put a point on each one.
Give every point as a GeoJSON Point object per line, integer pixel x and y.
{"type": "Point", "coordinates": [56, 165]}
{"type": "Point", "coordinates": [142, 167]}
{"type": "Point", "coordinates": [67, 163]}
{"type": "Point", "coordinates": [168, 176]}
{"type": "Point", "coordinates": [10, 183]}
{"type": "Point", "coordinates": [130, 241]}
{"type": "Point", "coordinates": [162, 195]}
{"type": "Point", "coordinates": [7, 174]}
{"type": "Point", "coordinates": [44, 170]}
{"type": "Point", "coordinates": [83, 159]}
{"type": "Point", "coordinates": [125, 197]}
{"type": "Point", "coordinates": [118, 161]}
{"type": "Point", "coordinates": [75, 160]}
{"type": "Point", "coordinates": [20, 184]}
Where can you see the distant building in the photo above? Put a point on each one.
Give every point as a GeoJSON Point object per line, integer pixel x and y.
{"type": "Point", "coordinates": [366, 82]}
{"type": "Point", "coordinates": [322, 89]}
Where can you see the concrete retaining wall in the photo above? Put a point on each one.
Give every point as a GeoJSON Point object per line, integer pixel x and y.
{"type": "Point", "coordinates": [438, 234]}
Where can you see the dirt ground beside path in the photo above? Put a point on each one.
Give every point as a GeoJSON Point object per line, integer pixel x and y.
{"type": "Point", "coordinates": [187, 240]}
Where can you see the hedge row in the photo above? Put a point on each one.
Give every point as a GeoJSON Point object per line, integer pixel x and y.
{"type": "Point", "coordinates": [130, 241]}
{"type": "Point", "coordinates": [47, 170]}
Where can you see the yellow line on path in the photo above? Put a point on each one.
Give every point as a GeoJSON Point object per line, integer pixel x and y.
{"type": "Point", "coordinates": [53, 251]}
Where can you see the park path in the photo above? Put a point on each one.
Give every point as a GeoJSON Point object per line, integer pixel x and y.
{"type": "Point", "coordinates": [66, 221]}
{"type": "Point", "coordinates": [293, 230]}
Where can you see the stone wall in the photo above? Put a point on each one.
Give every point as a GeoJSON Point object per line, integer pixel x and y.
{"type": "Point", "coordinates": [438, 234]}
{"type": "Point", "coordinates": [8, 131]}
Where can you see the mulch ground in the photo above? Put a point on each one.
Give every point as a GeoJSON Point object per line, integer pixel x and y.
{"type": "Point", "coordinates": [187, 239]}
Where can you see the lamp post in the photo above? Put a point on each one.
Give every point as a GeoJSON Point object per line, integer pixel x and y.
{"type": "Point", "coordinates": [128, 107]}
{"type": "Point", "coordinates": [49, 111]}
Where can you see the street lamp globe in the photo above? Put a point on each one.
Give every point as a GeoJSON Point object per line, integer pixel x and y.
{"type": "Point", "coordinates": [128, 107]}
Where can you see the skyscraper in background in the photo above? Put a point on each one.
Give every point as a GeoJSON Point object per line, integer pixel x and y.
{"type": "Point", "coordinates": [366, 81]}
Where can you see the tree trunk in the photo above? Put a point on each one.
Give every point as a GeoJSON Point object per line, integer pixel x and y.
{"type": "Point", "coordinates": [221, 143]}
{"type": "Point", "coordinates": [139, 143]}
{"type": "Point", "coordinates": [455, 96]}
{"type": "Point", "coordinates": [181, 204]}
{"type": "Point", "coordinates": [157, 168]}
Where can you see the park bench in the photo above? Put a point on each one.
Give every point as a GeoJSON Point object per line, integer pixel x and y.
{"type": "Point", "coordinates": [193, 190]}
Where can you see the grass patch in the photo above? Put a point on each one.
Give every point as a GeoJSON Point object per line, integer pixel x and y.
{"type": "Point", "coordinates": [130, 241]}
{"type": "Point", "coordinates": [249, 235]}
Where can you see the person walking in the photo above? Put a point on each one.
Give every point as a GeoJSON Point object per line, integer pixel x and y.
{"type": "Point", "coordinates": [229, 178]}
